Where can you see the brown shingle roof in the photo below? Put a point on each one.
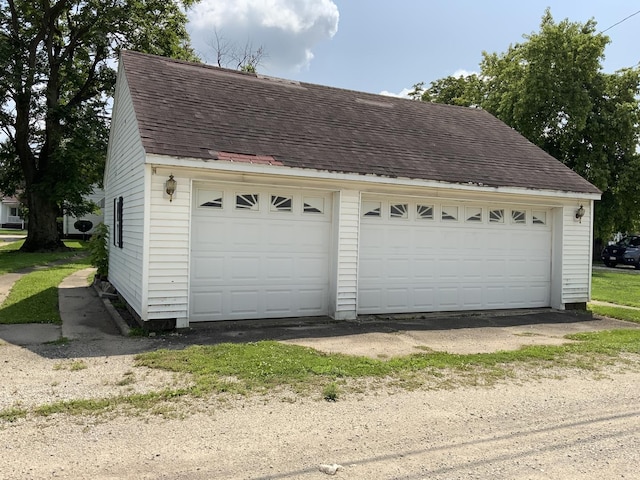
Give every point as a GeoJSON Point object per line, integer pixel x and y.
{"type": "Point", "coordinates": [198, 111]}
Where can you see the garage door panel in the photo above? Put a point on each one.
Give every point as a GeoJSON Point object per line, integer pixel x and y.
{"type": "Point", "coordinates": [423, 297]}
{"type": "Point", "coordinates": [313, 268]}
{"type": "Point", "coordinates": [279, 268]}
{"type": "Point", "coordinates": [244, 301]}
{"type": "Point", "coordinates": [262, 263]}
{"type": "Point", "coordinates": [472, 297]}
{"type": "Point", "coordinates": [311, 301]}
{"type": "Point", "coordinates": [208, 268]}
{"type": "Point", "coordinates": [453, 265]}
{"type": "Point", "coordinates": [278, 302]}
{"type": "Point", "coordinates": [369, 300]}
{"type": "Point", "coordinates": [397, 297]}
{"type": "Point", "coordinates": [423, 269]}
{"type": "Point", "coordinates": [448, 297]}
{"type": "Point", "coordinates": [371, 269]}
{"type": "Point", "coordinates": [206, 303]}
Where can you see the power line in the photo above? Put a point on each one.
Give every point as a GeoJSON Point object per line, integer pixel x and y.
{"type": "Point", "coordinates": [623, 20]}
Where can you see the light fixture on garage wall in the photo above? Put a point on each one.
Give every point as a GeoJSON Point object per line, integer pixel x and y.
{"type": "Point", "coordinates": [170, 186]}
{"type": "Point", "coordinates": [580, 213]}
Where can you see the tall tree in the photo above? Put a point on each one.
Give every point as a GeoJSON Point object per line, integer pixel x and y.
{"type": "Point", "coordinates": [551, 88]}
{"type": "Point", "coordinates": [57, 61]}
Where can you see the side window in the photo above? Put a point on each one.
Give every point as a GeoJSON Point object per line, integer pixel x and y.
{"type": "Point", "coordinates": [120, 205]}
{"type": "Point", "coordinates": [115, 222]}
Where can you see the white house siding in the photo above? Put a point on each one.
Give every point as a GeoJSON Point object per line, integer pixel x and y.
{"type": "Point", "coordinates": [576, 254]}
{"type": "Point", "coordinates": [97, 197]}
{"type": "Point", "coordinates": [168, 295]}
{"type": "Point", "coordinates": [124, 177]}
{"type": "Point", "coordinates": [346, 228]}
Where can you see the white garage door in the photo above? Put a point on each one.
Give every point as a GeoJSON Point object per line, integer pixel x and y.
{"type": "Point", "coordinates": [421, 256]}
{"type": "Point", "coordinates": [259, 253]}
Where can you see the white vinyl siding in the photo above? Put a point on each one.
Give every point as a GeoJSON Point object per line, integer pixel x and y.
{"type": "Point", "coordinates": [168, 295]}
{"type": "Point", "coordinates": [576, 254]}
{"type": "Point", "coordinates": [347, 223]}
{"type": "Point", "coordinates": [124, 177]}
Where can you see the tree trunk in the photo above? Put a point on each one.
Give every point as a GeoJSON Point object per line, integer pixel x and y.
{"type": "Point", "coordinates": [42, 235]}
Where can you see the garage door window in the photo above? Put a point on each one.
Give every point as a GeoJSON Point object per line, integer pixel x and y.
{"type": "Point", "coordinates": [425, 212]}
{"type": "Point", "coordinates": [313, 205]}
{"type": "Point", "coordinates": [496, 215]}
{"type": "Point", "coordinates": [518, 217]}
{"type": "Point", "coordinates": [539, 218]}
{"type": "Point", "coordinates": [399, 210]}
{"type": "Point", "coordinates": [371, 209]}
{"type": "Point", "coordinates": [281, 204]}
{"type": "Point", "coordinates": [247, 201]}
{"type": "Point", "coordinates": [449, 213]}
{"type": "Point", "coordinates": [473, 214]}
{"type": "Point", "coordinates": [210, 198]}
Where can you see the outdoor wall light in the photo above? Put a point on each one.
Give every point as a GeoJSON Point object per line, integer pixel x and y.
{"type": "Point", "coordinates": [170, 186]}
{"type": "Point", "coordinates": [580, 213]}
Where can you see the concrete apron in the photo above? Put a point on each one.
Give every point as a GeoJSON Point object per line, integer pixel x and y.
{"type": "Point", "coordinates": [83, 314]}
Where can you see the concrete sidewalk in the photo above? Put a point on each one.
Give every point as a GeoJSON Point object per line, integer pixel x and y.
{"type": "Point", "coordinates": [83, 314]}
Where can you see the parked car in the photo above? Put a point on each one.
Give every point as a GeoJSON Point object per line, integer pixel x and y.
{"type": "Point", "coordinates": [626, 251]}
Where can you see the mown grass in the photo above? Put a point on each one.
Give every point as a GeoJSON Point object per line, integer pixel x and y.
{"type": "Point", "coordinates": [12, 259]}
{"type": "Point", "coordinates": [12, 231]}
{"type": "Point", "coordinates": [620, 313]}
{"type": "Point", "coordinates": [34, 297]}
{"type": "Point", "coordinates": [265, 365]}
{"type": "Point", "coordinates": [616, 287]}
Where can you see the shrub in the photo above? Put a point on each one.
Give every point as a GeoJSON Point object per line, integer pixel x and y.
{"type": "Point", "coordinates": [99, 253]}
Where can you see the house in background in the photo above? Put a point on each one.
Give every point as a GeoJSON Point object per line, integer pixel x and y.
{"type": "Point", "coordinates": [237, 196]}
{"type": "Point", "coordinates": [68, 221]}
{"type": "Point", "coordinates": [11, 213]}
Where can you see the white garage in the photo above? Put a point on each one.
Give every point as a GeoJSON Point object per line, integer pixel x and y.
{"type": "Point", "coordinates": [232, 196]}
{"type": "Point", "coordinates": [259, 253]}
{"type": "Point", "coordinates": [421, 255]}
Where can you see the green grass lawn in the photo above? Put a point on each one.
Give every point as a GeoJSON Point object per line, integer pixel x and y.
{"type": "Point", "coordinates": [620, 288]}
{"type": "Point", "coordinates": [616, 287]}
{"type": "Point", "coordinates": [11, 231]}
{"type": "Point", "coordinates": [11, 259]}
{"type": "Point", "coordinates": [268, 364]}
{"type": "Point", "coordinates": [34, 297]}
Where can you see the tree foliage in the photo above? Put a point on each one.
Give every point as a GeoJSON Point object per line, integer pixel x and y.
{"type": "Point", "coordinates": [551, 89]}
{"type": "Point", "coordinates": [57, 60]}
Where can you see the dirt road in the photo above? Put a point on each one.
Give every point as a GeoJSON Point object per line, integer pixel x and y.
{"type": "Point", "coordinates": [574, 427]}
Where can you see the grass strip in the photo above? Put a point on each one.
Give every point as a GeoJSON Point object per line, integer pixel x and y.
{"type": "Point", "coordinates": [12, 259]}
{"type": "Point", "coordinates": [34, 297]}
{"type": "Point", "coordinates": [619, 313]}
{"type": "Point", "coordinates": [265, 365]}
{"type": "Point", "coordinates": [621, 288]}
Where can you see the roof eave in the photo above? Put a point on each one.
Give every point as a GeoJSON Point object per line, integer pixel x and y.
{"type": "Point", "coordinates": [306, 173]}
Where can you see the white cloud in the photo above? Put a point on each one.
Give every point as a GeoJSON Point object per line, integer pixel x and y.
{"type": "Point", "coordinates": [463, 73]}
{"type": "Point", "coordinates": [287, 29]}
{"type": "Point", "coordinates": [404, 93]}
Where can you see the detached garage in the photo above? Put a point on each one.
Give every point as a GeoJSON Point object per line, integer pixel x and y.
{"type": "Point", "coordinates": [235, 196]}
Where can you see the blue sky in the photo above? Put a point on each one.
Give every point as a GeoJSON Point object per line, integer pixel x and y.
{"type": "Point", "coordinates": [387, 46]}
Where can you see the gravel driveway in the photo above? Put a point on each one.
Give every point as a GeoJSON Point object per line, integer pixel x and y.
{"type": "Point", "coordinates": [537, 425]}
{"type": "Point", "coordinates": [578, 426]}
